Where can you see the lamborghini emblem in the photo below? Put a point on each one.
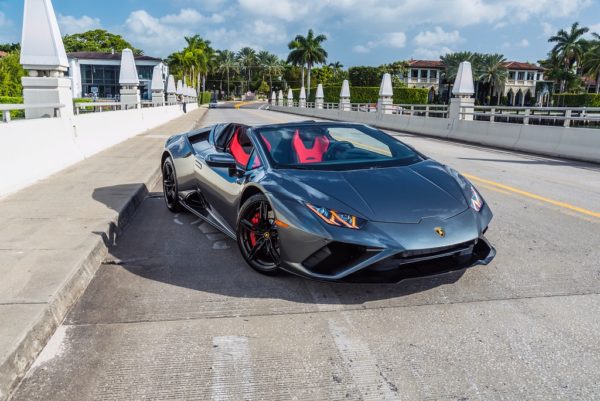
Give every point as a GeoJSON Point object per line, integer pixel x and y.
{"type": "Point", "coordinates": [440, 231]}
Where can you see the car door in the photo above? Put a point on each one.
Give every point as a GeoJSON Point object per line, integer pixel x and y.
{"type": "Point", "coordinates": [220, 189]}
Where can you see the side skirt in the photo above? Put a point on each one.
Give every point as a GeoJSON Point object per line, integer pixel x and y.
{"type": "Point", "coordinates": [208, 217]}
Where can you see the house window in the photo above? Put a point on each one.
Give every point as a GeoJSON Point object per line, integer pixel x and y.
{"type": "Point", "coordinates": [511, 75]}
{"type": "Point", "coordinates": [531, 76]}
{"type": "Point", "coordinates": [433, 74]}
{"type": "Point", "coordinates": [414, 74]}
{"type": "Point", "coordinates": [423, 73]}
{"type": "Point", "coordinates": [521, 76]}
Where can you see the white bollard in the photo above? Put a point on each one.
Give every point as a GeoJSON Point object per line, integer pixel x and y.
{"type": "Point", "coordinates": [290, 98]}
{"type": "Point", "coordinates": [43, 56]}
{"type": "Point", "coordinates": [302, 97]}
{"type": "Point", "coordinates": [463, 90]}
{"type": "Point", "coordinates": [319, 96]}
{"type": "Point", "coordinates": [345, 96]}
{"type": "Point", "coordinates": [386, 93]}
{"type": "Point", "coordinates": [129, 81]}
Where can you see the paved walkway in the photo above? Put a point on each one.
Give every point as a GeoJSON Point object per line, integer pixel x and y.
{"type": "Point", "coordinates": [53, 237]}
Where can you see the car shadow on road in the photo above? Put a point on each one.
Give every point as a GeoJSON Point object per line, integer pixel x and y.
{"type": "Point", "coordinates": [182, 251]}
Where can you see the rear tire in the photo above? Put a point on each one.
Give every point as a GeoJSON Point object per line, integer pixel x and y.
{"type": "Point", "coordinates": [257, 235]}
{"type": "Point", "coordinates": [170, 191]}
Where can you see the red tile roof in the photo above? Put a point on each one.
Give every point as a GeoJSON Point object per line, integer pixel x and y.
{"type": "Point", "coordinates": [516, 65]}
{"type": "Point", "coordinates": [426, 64]}
{"type": "Point", "coordinates": [3, 54]}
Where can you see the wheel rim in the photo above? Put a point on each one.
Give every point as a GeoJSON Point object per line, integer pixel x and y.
{"type": "Point", "coordinates": [259, 236]}
{"type": "Point", "coordinates": [169, 185]}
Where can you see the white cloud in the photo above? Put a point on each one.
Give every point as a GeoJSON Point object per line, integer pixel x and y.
{"type": "Point", "coordinates": [287, 10]}
{"type": "Point", "coordinates": [70, 24]}
{"type": "Point", "coordinates": [435, 43]}
{"type": "Point", "coordinates": [361, 49]}
{"type": "Point", "coordinates": [152, 35]}
{"type": "Point", "coordinates": [395, 39]}
{"type": "Point", "coordinates": [186, 16]}
{"type": "Point", "coordinates": [392, 39]}
{"type": "Point", "coordinates": [437, 37]}
{"type": "Point", "coordinates": [548, 29]}
{"type": "Point", "coordinates": [431, 54]}
{"type": "Point", "coordinates": [4, 21]}
{"type": "Point", "coordinates": [523, 43]}
{"type": "Point", "coordinates": [595, 28]}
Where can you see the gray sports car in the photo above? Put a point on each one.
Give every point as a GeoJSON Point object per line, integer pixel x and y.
{"type": "Point", "coordinates": [327, 200]}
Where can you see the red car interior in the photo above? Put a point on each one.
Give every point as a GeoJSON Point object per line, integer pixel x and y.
{"type": "Point", "coordinates": [237, 150]}
{"type": "Point", "coordinates": [312, 154]}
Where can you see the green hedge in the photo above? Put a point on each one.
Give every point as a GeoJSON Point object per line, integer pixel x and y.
{"type": "Point", "coordinates": [576, 100]}
{"type": "Point", "coordinates": [13, 100]}
{"type": "Point", "coordinates": [204, 97]}
{"type": "Point", "coordinates": [366, 94]}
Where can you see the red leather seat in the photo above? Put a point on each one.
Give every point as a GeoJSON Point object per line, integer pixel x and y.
{"type": "Point", "coordinates": [313, 154]}
{"type": "Point", "coordinates": [237, 150]}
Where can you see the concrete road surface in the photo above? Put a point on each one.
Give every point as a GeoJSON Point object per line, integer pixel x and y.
{"type": "Point", "coordinates": [176, 314]}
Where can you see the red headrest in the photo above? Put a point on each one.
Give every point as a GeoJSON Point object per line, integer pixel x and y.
{"type": "Point", "coordinates": [315, 153]}
{"type": "Point", "coordinates": [238, 151]}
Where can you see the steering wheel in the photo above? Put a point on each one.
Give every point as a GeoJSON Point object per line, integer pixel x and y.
{"type": "Point", "coordinates": [338, 146]}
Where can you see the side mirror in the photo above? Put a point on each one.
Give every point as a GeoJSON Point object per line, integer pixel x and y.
{"type": "Point", "coordinates": [222, 160]}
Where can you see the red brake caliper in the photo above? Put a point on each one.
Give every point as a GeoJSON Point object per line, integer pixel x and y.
{"type": "Point", "coordinates": [255, 220]}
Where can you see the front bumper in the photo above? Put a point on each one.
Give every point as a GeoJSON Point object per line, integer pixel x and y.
{"type": "Point", "coordinates": [392, 250]}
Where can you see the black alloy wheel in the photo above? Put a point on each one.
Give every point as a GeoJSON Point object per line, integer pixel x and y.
{"type": "Point", "coordinates": [170, 185]}
{"type": "Point", "coordinates": [257, 235]}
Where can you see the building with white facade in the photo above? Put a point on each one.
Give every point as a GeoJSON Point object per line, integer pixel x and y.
{"type": "Point", "coordinates": [99, 74]}
{"type": "Point", "coordinates": [519, 88]}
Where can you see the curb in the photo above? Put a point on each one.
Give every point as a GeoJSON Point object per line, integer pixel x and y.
{"type": "Point", "coordinates": [16, 364]}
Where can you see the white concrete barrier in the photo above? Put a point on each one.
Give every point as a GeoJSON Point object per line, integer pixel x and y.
{"type": "Point", "coordinates": [572, 143]}
{"type": "Point", "coordinates": [34, 149]}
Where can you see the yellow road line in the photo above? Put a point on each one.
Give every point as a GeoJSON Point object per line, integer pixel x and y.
{"type": "Point", "coordinates": [237, 106]}
{"type": "Point", "coordinates": [553, 202]}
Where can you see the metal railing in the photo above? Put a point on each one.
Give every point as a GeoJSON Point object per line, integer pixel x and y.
{"type": "Point", "coordinates": [421, 110]}
{"type": "Point", "coordinates": [5, 109]}
{"type": "Point", "coordinates": [588, 117]}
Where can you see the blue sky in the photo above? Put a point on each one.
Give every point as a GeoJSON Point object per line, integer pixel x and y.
{"type": "Point", "coordinates": [360, 32]}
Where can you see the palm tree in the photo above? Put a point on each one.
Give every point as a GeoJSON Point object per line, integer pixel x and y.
{"type": "Point", "coordinates": [451, 61]}
{"type": "Point", "coordinates": [591, 61]}
{"type": "Point", "coordinates": [569, 47]}
{"type": "Point", "coordinates": [227, 64]}
{"type": "Point", "coordinates": [247, 58]}
{"type": "Point", "coordinates": [272, 66]}
{"type": "Point", "coordinates": [493, 72]}
{"type": "Point", "coordinates": [336, 65]}
{"type": "Point", "coordinates": [307, 50]}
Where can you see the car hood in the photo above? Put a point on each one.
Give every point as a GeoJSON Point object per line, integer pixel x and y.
{"type": "Point", "coordinates": [404, 194]}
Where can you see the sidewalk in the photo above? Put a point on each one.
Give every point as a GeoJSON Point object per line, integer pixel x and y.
{"type": "Point", "coordinates": [53, 237]}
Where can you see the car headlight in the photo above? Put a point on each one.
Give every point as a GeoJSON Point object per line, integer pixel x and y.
{"type": "Point", "coordinates": [476, 200]}
{"type": "Point", "coordinates": [336, 218]}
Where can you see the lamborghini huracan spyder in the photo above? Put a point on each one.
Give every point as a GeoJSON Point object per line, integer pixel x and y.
{"type": "Point", "coordinates": [326, 200]}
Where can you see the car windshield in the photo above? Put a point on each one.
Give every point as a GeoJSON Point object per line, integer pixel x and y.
{"type": "Point", "coordinates": [333, 147]}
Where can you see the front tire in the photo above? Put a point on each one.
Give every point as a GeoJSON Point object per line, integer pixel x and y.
{"type": "Point", "coordinates": [257, 235]}
{"type": "Point", "coordinates": [170, 191]}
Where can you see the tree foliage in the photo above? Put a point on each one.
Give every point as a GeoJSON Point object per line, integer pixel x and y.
{"type": "Point", "coordinates": [11, 72]}
{"type": "Point", "coordinates": [307, 50]}
{"type": "Point", "coordinates": [97, 40]}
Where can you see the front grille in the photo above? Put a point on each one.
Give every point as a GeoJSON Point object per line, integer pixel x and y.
{"type": "Point", "coordinates": [335, 257]}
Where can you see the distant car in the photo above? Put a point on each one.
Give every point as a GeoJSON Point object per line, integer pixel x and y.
{"type": "Point", "coordinates": [326, 200]}
{"type": "Point", "coordinates": [213, 105]}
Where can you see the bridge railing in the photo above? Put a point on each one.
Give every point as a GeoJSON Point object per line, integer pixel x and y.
{"type": "Point", "coordinates": [588, 117]}
{"type": "Point", "coordinates": [5, 109]}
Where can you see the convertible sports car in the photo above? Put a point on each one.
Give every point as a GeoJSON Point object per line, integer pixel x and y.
{"type": "Point", "coordinates": [326, 200]}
